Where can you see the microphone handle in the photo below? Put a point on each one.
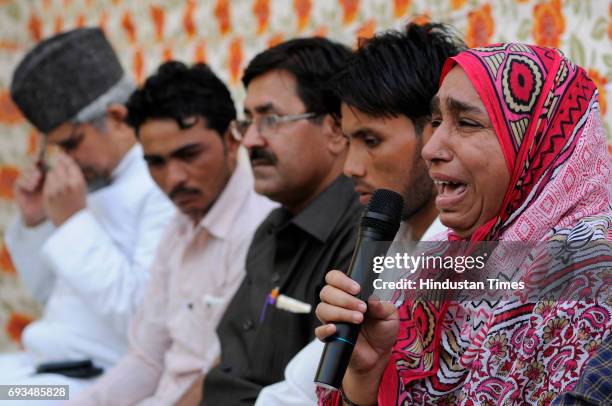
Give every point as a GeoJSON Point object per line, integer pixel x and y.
{"type": "Point", "coordinates": [339, 347]}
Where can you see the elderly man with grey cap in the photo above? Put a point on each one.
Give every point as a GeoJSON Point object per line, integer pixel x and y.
{"type": "Point", "coordinates": [88, 227]}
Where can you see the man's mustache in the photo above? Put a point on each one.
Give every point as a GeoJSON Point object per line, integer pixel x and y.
{"type": "Point", "coordinates": [183, 191]}
{"type": "Point", "coordinates": [362, 186]}
{"type": "Point", "coordinates": [260, 154]}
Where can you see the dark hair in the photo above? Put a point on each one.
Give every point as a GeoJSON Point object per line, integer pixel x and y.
{"type": "Point", "coordinates": [179, 92]}
{"type": "Point", "coordinates": [397, 72]}
{"type": "Point", "coordinates": [312, 61]}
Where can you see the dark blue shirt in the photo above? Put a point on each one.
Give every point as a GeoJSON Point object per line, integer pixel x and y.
{"type": "Point", "coordinates": [594, 387]}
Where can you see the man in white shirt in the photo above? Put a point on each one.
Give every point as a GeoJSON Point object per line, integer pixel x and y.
{"type": "Point", "coordinates": [182, 116]}
{"type": "Point", "coordinates": [85, 256]}
{"type": "Point", "coordinates": [387, 123]}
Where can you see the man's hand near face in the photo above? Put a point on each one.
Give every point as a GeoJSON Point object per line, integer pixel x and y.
{"type": "Point", "coordinates": [29, 197]}
{"type": "Point", "coordinates": [65, 190]}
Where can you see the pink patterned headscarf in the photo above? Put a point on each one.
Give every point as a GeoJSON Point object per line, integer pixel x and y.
{"type": "Point", "coordinates": [545, 112]}
{"type": "Point", "coordinates": [539, 103]}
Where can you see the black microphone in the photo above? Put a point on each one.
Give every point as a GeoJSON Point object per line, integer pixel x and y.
{"type": "Point", "coordinates": [379, 224]}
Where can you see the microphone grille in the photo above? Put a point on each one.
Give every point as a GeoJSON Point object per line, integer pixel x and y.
{"type": "Point", "coordinates": [389, 204]}
{"type": "Point", "coordinates": [386, 202]}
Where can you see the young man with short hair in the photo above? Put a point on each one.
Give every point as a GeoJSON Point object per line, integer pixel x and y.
{"type": "Point", "coordinates": [385, 90]}
{"type": "Point", "coordinates": [182, 116]}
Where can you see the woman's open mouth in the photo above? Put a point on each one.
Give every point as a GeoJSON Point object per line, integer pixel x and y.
{"type": "Point", "coordinates": [450, 194]}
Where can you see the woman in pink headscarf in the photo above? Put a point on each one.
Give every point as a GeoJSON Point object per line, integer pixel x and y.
{"type": "Point", "coordinates": [518, 154]}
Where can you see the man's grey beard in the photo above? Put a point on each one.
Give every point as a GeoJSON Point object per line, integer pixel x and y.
{"type": "Point", "coordinates": [99, 182]}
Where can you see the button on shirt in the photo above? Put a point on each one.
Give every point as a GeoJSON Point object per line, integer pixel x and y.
{"type": "Point", "coordinates": [292, 253]}
{"type": "Point", "coordinates": [195, 274]}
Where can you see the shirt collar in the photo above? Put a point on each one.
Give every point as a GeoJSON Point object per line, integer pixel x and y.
{"type": "Point", "coordinates": [220, 218]}
{"type": "Point", "coordinates": [321, 216]}
{"type": "Point", "coordinates": [404, 234]}
{"type": "Point", "coordinates": [132, 157]}
{"type": "Point", "coordinates": [436, 228]}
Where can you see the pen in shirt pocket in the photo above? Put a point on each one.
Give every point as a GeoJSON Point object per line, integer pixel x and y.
{"type": "Point", "coordinates": [283, 302]}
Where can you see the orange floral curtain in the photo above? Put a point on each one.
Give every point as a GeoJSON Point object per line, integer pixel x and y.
{"type": "Point", "coordinates": [226, 34]}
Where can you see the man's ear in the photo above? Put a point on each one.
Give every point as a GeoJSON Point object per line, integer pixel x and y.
{"type": "Point", "coordinates": [337, 142]}
{"type": "Point", "coordinates": [231, 144]}
{"type": "Point", "coordinates": [116, 114]}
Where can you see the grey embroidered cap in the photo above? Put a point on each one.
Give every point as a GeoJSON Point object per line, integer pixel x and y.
{"type": "Point", "coordinates": [62, 75]}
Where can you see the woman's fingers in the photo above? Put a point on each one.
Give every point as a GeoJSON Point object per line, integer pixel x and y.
{"type": "Point", "coordinates": [329, 313]}
{"type": "Point", "coordinates": [336, 297]}
{"type": "Point", "coordinates": [322, 332]}
{"type": "Point", "coordinates": [339, 280]}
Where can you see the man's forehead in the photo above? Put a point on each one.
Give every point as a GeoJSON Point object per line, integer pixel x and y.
{"type": "Point", "coordinates": [355, 120]}
{"type": "Point", "coordinates": [349, 121]}
{"type": "Point", "coordinates": [61, 133]}
{"type": "Point", "coordinates": [164, 135]}
{"type": "Point", "coordinates": [273, 90]}
{"type": "Point", "coordinates": [358, 124]}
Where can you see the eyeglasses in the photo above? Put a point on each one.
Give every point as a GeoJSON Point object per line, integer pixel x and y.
{"type": "Point", "coordinates": [267, 124]}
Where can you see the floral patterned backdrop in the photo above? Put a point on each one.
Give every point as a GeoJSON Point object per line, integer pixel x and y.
{"type": "Point", "coordinates": [226, 34]}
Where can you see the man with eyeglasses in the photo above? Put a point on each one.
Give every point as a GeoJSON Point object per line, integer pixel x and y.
{"type": "Point", "coordinates": [297, 152]}
{"type": "Point", "coordinates": [84, 256]}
